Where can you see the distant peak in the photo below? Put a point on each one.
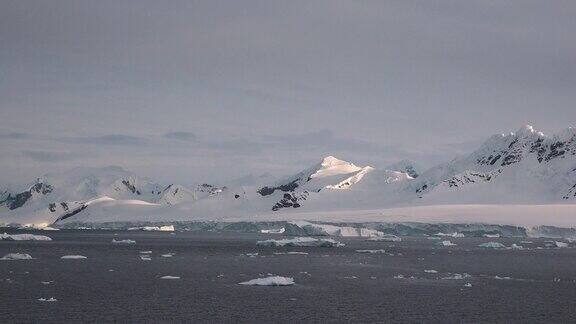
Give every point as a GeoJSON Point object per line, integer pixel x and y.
{"type": "Point", "coordinates": [525, 130]}
{"type": "Point", "coordinates": [331, 160]}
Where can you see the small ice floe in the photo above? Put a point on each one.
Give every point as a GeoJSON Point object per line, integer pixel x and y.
{"type": "Point", "coordinates": [49, 300]}
{"type": "Point", "coordinates": [502, 278]}
{"type": "Point", "coordinates": [291, 253]}
{"type": "Point", "coordinates": [301, 241]}
{"type": "Point", "coordinates": [127, 241]}
{"type": "Point", "coordinates": [385, 238]}
{"type": "Point", "coordinates": [492, 245]}
{"type": "Point", "coordinates": [47, 282]}
{"type": "Point", "coordinates": [526, 242]}
{"type": "Point", "coordinates": [145, 258]}
{"type": "Point", "coordinates": [455, 234]}
{"type": "Point", "coordinates": [251, 255]}
{"type": "Point", "coordinates": [48, 228]}
{"type": "Point", "coordinates": [446, 243]}
{"type": "Point", "coordinates": [457, 276]}
{"type": "Point", "coordinates": [73, 257]}
{"type": "Point", "coordinates": [467, 285]}
{"type": "Point", "coordinates": [17, 256]}
{"type": "Point", "coordinates": [370, 251]}
{"type": "Point", "coordinates": [273, 231]}
{"type": "Point", "coordinates": [170, 277]}
{"type": "Point", "coordinates": [269, 281]}
{"type": "Point", "coordinates": [515, 246]}
{"type": "Point", "coordinates": [167, 228]}
{"type": "Point", "coordinates": [399, 276]}
{"type": "Point", "coordinates": [430, 271]}
{"type": "Point", "coordinates": [351, 277]}
{"type": "Point", "coordinates": [560, 244]}
{"type": "Point", "coordinates": [433, 238]}
{"type": "Point", "coordinates": [145, 252]}
{"type": "Point", "coordinates": [491, 235]}
{"type": "Point", "coordinates": [24, 237]}
{"type": "Point", "coordinates": [167, 255]}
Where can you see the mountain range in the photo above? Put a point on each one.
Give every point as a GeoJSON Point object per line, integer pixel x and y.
{"type": "Point", "coordinates": [522, 167]}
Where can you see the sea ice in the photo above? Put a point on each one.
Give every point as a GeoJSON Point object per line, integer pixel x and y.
{"type": "Point", "coordinates": [560, 244]}
{"type": "Point", "coordinates": [17, 256]}
{"type": "Point", "coordinates": [301, 241]}
{"type": "Point", "coordinates": [24, 237]}
{"type": "Point", "coordinates": [114, 241]}
{"type": "Point", "coordinates": [492, 245]}
{"type": "Point", "coordinates": [385, 238]}
{"type": "Point", "coordinates": [457, 276]}
{"type": "Point", "coordinates": [370, 251]}
{"type": "Point", "coordinates": [51, 299]}
{"type": "Point", "coordinates": [170, 277]}
{"type": "Point", "coordinates": [269, 281]}
{"type": "Point", "coordinates": [446, 243]}
{"type": "Point", "coordinates": [430, 271]}
{"type": "Point", "coordinates": [291, 253]}
{"type": "Point", "coordinates": [73, 257]}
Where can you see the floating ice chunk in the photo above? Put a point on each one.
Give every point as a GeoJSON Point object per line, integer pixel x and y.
{"type": "Point", "coordinates": [170, 277]}
{"type": "Point", "coordinates": [468, 285]}
{"type": "Point", "coordinates": [491, 235]}
{"type": "Point", "coordinates": [167, 255]}
{"type": "Point", "coordinates": [455, 234]}
{"type": "Point", "coordinates": [492, 245]}
{"type": "Point", "coordinates": [434, 238]}
{"type": "Point", "coordinates": [145, 258]}
{"type": "Point", "coordinates": [291, 253]}
{"type": "Point", "coordinates": [48, 228]}
{"type": "Point", "coordinates": [24, 237]}
{"type": "Point", "coordinates": [502, 278]}
{"type": "Point", "coordinates": [526, 242]}
{"type": "Point", "coordinates": [370, 251]}
{"type": "Point", "coordinates": [457, 276]}
{"type": "Point", "coordinates": [252, 255]}
{"type": "Point", "coordinates": [47, 282]}
{"type": "Point", "coordinates": [73, 257]}
{"type": "Point", "coordinates": [145, 252]}
{"type": "Point", "coordinates": [17, 256]}
{"type": "Point", "coordinates": [515, 246]}
{"type": "Point", "coordinates": [400, 276]}
{"type": "Point", "coordinates": [269, 281]}
{"type": "Point", "coordinates": [50, 300]}
{"type": "Point", "coordinates": [301, 241]}
{"type": "Point", "coordinates": [560, 244]}
{"type": "Point", "coordinates": [446, 243]}
{"type": "Point", "coordinates": [114, 241]}
{"type": "Point", "coordinates": [273, 231]}
{"type": "Point", "coordinates": [430, 271]}
{"type": "Point", "coordinates": [385, 238]}
{"type": "Point", "coordinates": [167, 228]}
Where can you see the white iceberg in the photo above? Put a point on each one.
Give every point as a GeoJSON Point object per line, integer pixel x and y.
{"type": "Point", "coordinates": [468, 285]}
{"type": "Point", "coordinates": [24, 237]}
{"type": "Point", "coordinates": [301, 241]}
{"type": "Point", "coordinates": [560, 244]}
{"type": "Point", "coordinates": [457, 276]}
{"type": "Point", "coordinates": [114, 241]}
{"type": "Point", "coordinates": [492, 245]}
{"type": "Point", "coordinates": [50, 300]}
{"type": "Point", "coordinates": [430, 271]}
{"type": "Point", "coordinates": [17, 256]}
{"type": "Point", "coordinates": [370, 251]}
{"type": "Point", "coordinates": [291, 253]}
{"type": "Point", "coordinates": [455, 234]}
{"type": "Point", "coordinates": [73, 257]}
{"type": "Point", "coordinates": [167, 228]}
{"type": "Point", "coordinates": [273, 231]}
{"type": "Point", "coordinates": [446, 243]}
{"type": "Point", "coordinates": [170, 277]}
{"type": "Point", "coordinates": [491, 235]}
{"type": "Point", "coordinates": [167, 255]}
{"type": "Point", "coordinates": [385, 238]}
{"type": "Point", "coordinates": [269, 281]}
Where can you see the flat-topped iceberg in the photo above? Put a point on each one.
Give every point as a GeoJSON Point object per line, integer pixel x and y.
{"type": "Point", "coordinates": [114, 241]}
{"type": "Point", "coordinates": [73, 257]}
{"type": "Point", "coordinates": [301, 241]}
{"type": "Point", "coordinates": [269, 281]}
{"type": "Point", "coordinates": [492, 245]}
{"type": "Point", "coordinates": [17, 256]}
{"type": "Point", "coordinates": [24, 237]}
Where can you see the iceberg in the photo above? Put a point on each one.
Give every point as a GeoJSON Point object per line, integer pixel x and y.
{"type": "Point", "coordinates": [446, 243]}
{"type": "Point", "coordinates": [170, 277]}
{"type": "Point", "coordinates": [50, 300]}
{"type": "Point", "coordinates": [560, 244]}
{"type": "Point", "coordinates": [301, 241]}
{"type": "Point", "coordinates": [430, 271]}
{"type": "Point", "coordinates": [457, 276]}
{"type": "Point", "coordinates": [371, 251]}
{"type": "Point", "coordinates": [17, 256]}
{"type": "Point", "coordinates": [114, 241]}
{"type": "Point", "coordinates": [385, 238]}
{"type": "Point", "coordinates": [73, 257]}
{"type": "Point", "coordinates": [492, 245]}
{"type": "Point", "coordinates": [269, 281]}
{"type": "Point", "coordinates": [24, 237]}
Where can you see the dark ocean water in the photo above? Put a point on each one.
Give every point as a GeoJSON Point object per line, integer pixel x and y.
{"type": "Point", "coordinates": [332, 284]}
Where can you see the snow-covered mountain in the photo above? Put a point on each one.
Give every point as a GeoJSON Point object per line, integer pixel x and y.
{"type": "Point", "coordinates": [523, 167]}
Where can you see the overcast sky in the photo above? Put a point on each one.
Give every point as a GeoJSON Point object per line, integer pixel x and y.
{"type": "Point", "coordinates": [186, 91]}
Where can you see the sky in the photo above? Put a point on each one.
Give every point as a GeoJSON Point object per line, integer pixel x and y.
{"type": "Point", "coordinates": [209, 91]}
